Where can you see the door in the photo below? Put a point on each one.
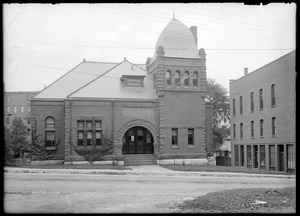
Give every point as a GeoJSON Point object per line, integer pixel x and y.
{"type": "Point", "coordinates": [137, 140]}
{"type": "Point", "coordinates": [242, 155]}
{"type": "Point", "coordinates": [255, 154]}
{"type": "Point", "coordinates": [281, 157]}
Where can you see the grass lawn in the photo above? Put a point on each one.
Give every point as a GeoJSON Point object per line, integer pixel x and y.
{"type": "Point", "coordinates": [75, 166]}
{"type": "Point", "coordinates": [220, 169]}
{"type": "Point", "coordinates": [276, 200]}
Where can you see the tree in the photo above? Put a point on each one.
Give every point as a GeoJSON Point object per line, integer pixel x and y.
{"type": "Point", "coordinates": [8, 152]}
{"type": "Point", "coordinates": [218, 97]}
{"type": "Point", "coordinates": [96, 153]}
{"type": "Point", "coordinates": [16, 137]}
{"type": "Point", "coordinates": [38, 149]}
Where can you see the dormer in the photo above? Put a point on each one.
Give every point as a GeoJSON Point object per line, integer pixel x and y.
{"type": "Point", "coordinates": [132, 80]}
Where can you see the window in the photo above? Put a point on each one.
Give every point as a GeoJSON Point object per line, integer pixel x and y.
{"type": "Point", "coordinates": [174, 136]}
{"type": "Point", "coordinates": [186, 78]}
{"type": "Point", "coordinates": [261, 127]}
{"type": "Point", "coordinates": [236, 155]}
{"type": "Point", "coordinates": [262, 156]}
{"type": "Point", "coordinates": [98, 137]}
{"type": "Point", "coordinates": [98, 124]}
{"type": "Point", "coordinates": [80, 138]}
{"type": "Point", "coordinates": [7, 109]}
{"type": "Point", "coordinates": [290, 157]}
{"type": "Point", "coordinates": [80, 124]}
{"type": "Point", "coordinates": [89, 137]}
{"type": "Point", "coordinates": [241, 105]}
{"type": "Point", "coordinates": [252, 129]}
{"type": "Point", "coordinates": [15, 109]}
{"type": "Point", "coordinates": [234, 131]}
{"type": "Point", "coordinates": [195, 79]}
{"type": "Point", "coordinates": [28, 108]}
{"type": "Point", "coordinates": [89, 124]}
{"type": "Point", "coordinates": [273, 101]}
{"type": "Point", "coordinates": [7, 98]}
{"type": "Point", "coordinates": [177, 78]}
{"type": "Point", "coordinates": [261, 102]}
{"type": "Point", "coordinates": [21, 108]}
{"type": "Point", "coordinates": [272, 155]}
{"type": "Point", "coordinates": [191, 136]}
{"type": "Point", "coordinates": [249, 157]}
{"type": "Point", "coordinates": [50, 122]}
{"type": "Point", "coordinates": [50, 137]}
{"type": "Point", "coordinates": [168, 77]}
{"type": "Point", "coordinates": [273, 126]}
{"type": "Point", "coordinates": [252, 101]}
{"type": "Point", "coordinates": [241, 130]}
{"type": "Point", "coordinates": [233, 106]}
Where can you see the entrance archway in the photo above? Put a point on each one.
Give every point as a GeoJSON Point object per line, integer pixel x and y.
{"type": "Point", "coordinates": [137, 140]}
{"type": "Point", "coordinates": [136, 123]}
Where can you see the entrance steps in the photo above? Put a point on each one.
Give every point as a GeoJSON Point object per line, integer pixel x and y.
{"type": "Point", "coordinates": [139, 159]}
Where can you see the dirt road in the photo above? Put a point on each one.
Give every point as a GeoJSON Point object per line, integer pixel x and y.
{"type": "Point", "coordinates": [102, 193]}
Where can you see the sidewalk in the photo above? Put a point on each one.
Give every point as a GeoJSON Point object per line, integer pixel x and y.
{"type": "Point", "coordinates": [143, 170]}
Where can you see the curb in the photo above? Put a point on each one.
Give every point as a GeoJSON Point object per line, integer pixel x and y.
{"type": "Point", "coordinates": [132, 172]}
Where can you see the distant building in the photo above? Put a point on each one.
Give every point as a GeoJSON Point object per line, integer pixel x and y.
{"type": "Point", "coordinates": [225, 148]}
{"type": "Point", "coordinates": [17, 104]}
{"type": "Point", "coordinates": [263, 109]}
{"type": "Point", "coordinates": [158, 108]}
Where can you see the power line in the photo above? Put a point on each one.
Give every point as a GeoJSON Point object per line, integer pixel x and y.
{"type": "Point", "coordinates": [14, 18]}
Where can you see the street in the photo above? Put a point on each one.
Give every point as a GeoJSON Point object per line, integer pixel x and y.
{"type": "Point", "coordinates": [103, 193]}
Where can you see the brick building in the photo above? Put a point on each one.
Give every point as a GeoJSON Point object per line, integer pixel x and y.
{"type": "Point", "coordinates": [158, 108]}
{"type": "Point", "coordinates": [17, 104]}
{"type": "Point", "coordinates": [263, 108]}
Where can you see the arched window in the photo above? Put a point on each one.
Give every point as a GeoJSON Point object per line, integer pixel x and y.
{"type": "Point", "coordinates": [50, 132]}
{"type": "Point", "coordinates": [195, 79]}
{"type": "Point", "coordinates": [168, 77]}
{"type": "Point", "coordinates": [186, 78]}
{"type": "Point", "coordinates": [177, 78]}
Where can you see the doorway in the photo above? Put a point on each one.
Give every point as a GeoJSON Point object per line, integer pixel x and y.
{"type": "Point", "coordinates": [281, 158]}
{"type": "Point", "coordinates": [137, 140]}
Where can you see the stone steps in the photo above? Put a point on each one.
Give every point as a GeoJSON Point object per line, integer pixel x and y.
{"type": "Point", "coordinates": [139, 159]}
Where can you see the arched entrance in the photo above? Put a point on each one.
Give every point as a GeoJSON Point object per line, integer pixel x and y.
{"type": "Point", "coordinates": [137, 140]}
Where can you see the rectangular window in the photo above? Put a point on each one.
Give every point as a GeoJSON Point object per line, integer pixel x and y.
{"type": "Point", "coordinates": [7, 109]}
{"type": "Point", "coordinates": [50, 138]}
{"type": "Point", "coordinates": [80, 125]}
{"type": "Point", "coordinates": [249, 157]}
{"type": "Point", "coordinates": [273, 102]}
{"type": "Point", "coordinates": [236, 155]}
{"type": "Point", "coordinates": [89, 124]}
{"type": "Point", "coordinates": [272, 155]}
{"type": "Point", "coordinates": [273, 126]}
{"type": "Point", "coordinates": [98, 137]}
{"type": "Point", "coordinates": [261, 101]}
{"type": "Point", "coordinates": [28, 108]}
{"type": "Point", "coordinates": [174, 136]}
{"type": "Point", "coordinates": [80, 138]}
{"type": "Point", "coordinates": [252, 128]}
{"type": "Point", "coordinates": [241, 105]}
{"type": "Point", "coordinates": [241, 130]}
{"type": "Point", "coordinates": [234, 131]}
{"type": "Point", "coordinates": [89, 137]}
{"type": "Point", "coordinates": [15, 109]}
{"type": "Point", "coordinates": [233, 107]}
{"type": "Point", "coordinates": [261, 122]}
{"type": "Point", "coordinates": [290, 157]}
{"type": "Point", "coordinates": [98, 124]}
{"type": "Point", "coordinates": [21, 108]}
{"type": "Point", "coordinates": [262, 156]}
{"type": "Point", "coordinates": [191, 136]}
{"type": "Point", "coordinates": [252, 101]}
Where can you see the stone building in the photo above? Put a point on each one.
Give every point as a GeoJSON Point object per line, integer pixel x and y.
{"type": "Point", "coordinates": [263, 108]}
{"type": "Point", "coordinates": [158, 108]}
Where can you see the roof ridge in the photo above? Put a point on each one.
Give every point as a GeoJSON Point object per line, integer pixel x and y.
{"type": "Point", "coordinates": [100, 62]}
{"type": "Point", "coordinates": [94, 79]}
{"type": "Point", "coordinates": [58, 79]}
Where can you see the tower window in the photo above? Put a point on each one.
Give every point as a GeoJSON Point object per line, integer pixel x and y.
{"type": "Point", "coordinates": [177, 78]}
{"type": "Point", "coordinates": [186, 78]}
{"type": "Point", "coordinates": [168, 77]}
{"type": "Point", "coordinates": [195, 79]}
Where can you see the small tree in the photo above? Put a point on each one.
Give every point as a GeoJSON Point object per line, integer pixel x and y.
{"type": "Point", "coordinates": [38, 148]}
{"type": "Point", "coordinates": [16, 137]}
{"type": "Point", "coordinates": [8, 151]}
{"type": "Point", "coordinates": [96, 153]}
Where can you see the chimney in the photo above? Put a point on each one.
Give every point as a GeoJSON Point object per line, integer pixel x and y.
{"type": "Point", "coordinates": [194, 32]}
{"type": "Point", "coordinates": [245, 71]}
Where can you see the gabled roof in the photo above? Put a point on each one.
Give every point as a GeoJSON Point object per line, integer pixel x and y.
{"type": "Point", "coordinates": [74, 79]}
{"type": "Point", "coordinates": [109, 84]}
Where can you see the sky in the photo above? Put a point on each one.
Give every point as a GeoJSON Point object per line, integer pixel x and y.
{"type": "Point", "coordinates": [42, 42]}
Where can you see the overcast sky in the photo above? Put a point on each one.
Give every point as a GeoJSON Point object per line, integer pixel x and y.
{"type": "Point", "coordinates": [44, 41]}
